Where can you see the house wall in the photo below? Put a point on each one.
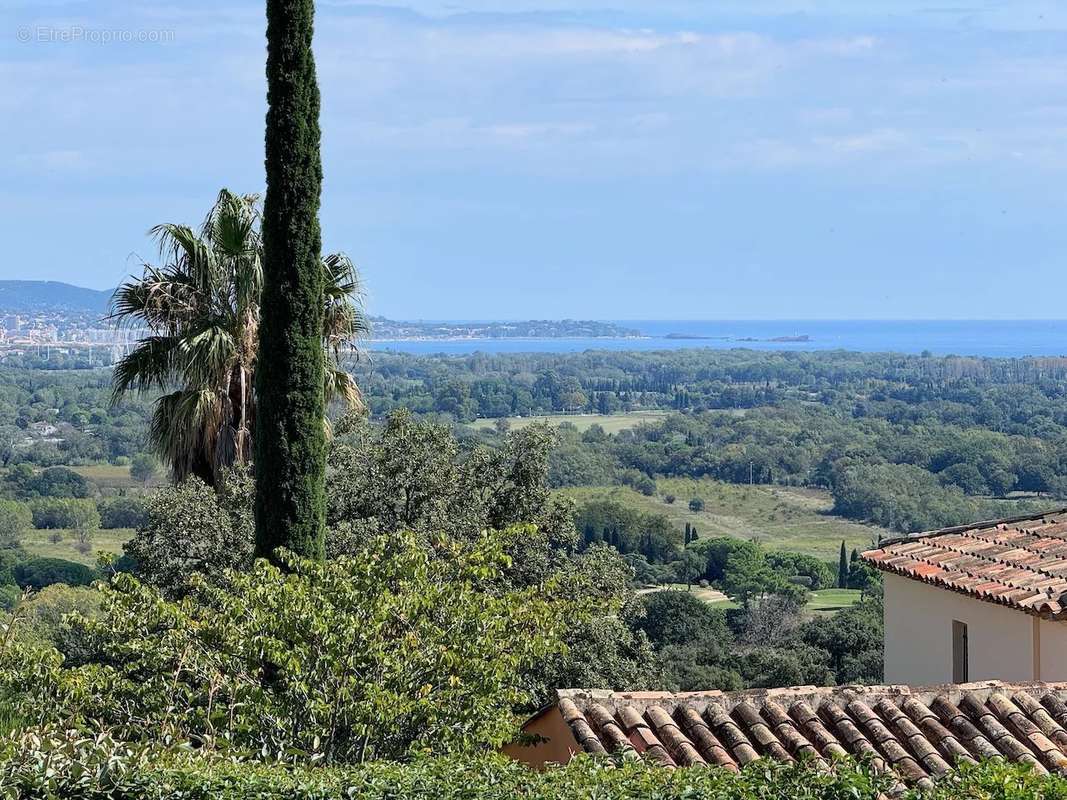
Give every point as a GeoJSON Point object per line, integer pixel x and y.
{"type": "Point", "coordinates": [556, 743]}
{"type": "Point", "coordinates": [1003, 643]}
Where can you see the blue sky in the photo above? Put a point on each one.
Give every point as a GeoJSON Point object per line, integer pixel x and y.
{"type": "Point", "coordinates": [583, 158]}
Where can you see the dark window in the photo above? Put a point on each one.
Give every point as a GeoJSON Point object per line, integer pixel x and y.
{"type": "Point", "coordinates": [959, 652]}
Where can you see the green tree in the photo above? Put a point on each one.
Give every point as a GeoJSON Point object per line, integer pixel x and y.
{"type": "Point", "coordinates": [202, 309]}
{"type": "Point", "coordinates": [691, 565]}
{"type": "Point", "coordinates": [143, 467]}
{"type": "Point", "coordinates": [347, 660]}
{"type": "Point", "coordinates": [15, 520]}
{"type": "Point", "coordinates": [291, 441]}
{"type": "Point", "coordinates": [842, 567]}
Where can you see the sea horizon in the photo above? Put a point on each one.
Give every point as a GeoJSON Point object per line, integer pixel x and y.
{"type": "Point", "coordinates": [978, 338]}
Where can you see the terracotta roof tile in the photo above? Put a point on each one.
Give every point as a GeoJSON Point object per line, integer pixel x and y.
{"type": "Point", "coordinates": [915, 734]}
{"type": "Point", "coordinates": [1019, 562]}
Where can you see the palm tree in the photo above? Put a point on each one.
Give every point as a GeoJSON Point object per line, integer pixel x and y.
{"type": "Point", "coordinates": [201, 310]}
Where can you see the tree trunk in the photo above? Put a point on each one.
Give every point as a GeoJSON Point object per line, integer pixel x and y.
{"type": "Point", "coordinates": [289, 442]}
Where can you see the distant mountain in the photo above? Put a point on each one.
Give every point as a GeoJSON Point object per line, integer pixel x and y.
{"type": "Point", "coordinates": [30, 296]}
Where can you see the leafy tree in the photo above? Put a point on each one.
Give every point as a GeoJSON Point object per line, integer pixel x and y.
{"type": "Point", "coordinates": [790, 565]}
{"type": "Point", "coordinates": [796, 665]}
{"type": "Point", "coordinates": [191, 529]}
{"type": "Point", "coordinates": [677, 618]}
{"type": "Point", "coordinates": [122, 512]}
{"type": "Point", "coordinates": [718, 552]}
{"type": "Point", "coordinates": [143, 467]}
{"type": "Point", "coordinates": [15, 520]}
{"type": "Point", "coordinates": [51, 513]}
{"type": "Point", "coordinates": [852, 639]}
{"type": "Point", "coordinates": [203, 310]}
{"type": "Point", "coordinates": [51, 482]}
{"type": "Point", "coordinates": [696, 505]}
{"type": "Point", "coordinates": [344, 661]}
{"type": "Point", "coordinates": [45, 617]}
{"type": "Point", "coordinates": [690, 567]}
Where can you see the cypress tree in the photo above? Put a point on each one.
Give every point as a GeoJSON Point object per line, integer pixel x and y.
{"type": "Point", "coordinates": [842, 568]}
{"type": "Point", "coordinates": [290, 442]}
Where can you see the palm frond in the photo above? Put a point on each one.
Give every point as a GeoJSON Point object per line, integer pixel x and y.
{"type": "Point", "coordinates": [202, 306]}
{"type": "Point", "coordinates": [342, 386]}
{"type": "Point", "coordinates": [150, 365]}
{"type": "Point", "coordinates": [208, 353]}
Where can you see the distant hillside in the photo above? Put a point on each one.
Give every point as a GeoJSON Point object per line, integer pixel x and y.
{"type": "Point", "coordinates": [30, 296]}
{"type": "Point", "coordinates": [42, 297]}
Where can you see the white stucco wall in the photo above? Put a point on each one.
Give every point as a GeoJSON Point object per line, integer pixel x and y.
{"type": "Point", "coordinates": [1001, 641]}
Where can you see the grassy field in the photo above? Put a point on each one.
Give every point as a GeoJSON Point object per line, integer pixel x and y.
{"type": "Point", "coordinates": [830, 601]}
{"type": "Point", "coordinates": [109, 476]}
{"type": "Point", "coordinates": [824, 602]}
{"type": "Point", "coordinates": [780, 518]}
{"type": "Point", "coordinates": [611, 423]}
{"type": "Point", "coordinates": [38, 543]}
{"type": "Point", "coordinates": [709, 595]}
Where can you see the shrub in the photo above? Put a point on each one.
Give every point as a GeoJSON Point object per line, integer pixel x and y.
{"type": "Point", "coordinates": [401, 646]}
{"type": "Point", "coordinates": [696, 505]}
{"type": "Point", "coordinates": [51, 764]}
{"type": "Point", "coordinates": [38, 573]}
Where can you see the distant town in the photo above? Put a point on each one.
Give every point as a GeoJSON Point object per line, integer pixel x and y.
{"type": "Point", "coordinates": [68, 326]}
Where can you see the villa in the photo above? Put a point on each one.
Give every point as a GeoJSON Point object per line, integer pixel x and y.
{"type": "Point", "coordinates": [977, 602]}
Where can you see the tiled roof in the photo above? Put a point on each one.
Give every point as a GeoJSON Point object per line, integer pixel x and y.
{"type": "Point", "coordinates": [1019, 562]}
{"type": "Point", "coordinates": [915, 734]}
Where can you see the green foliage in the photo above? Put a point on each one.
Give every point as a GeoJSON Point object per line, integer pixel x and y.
{"type": "Point", "coordinates": [15, 520]}
{"type": "Point", "coordinates": [122, 512]}
{"type": "Point", "coordinates": [193, 529]}
{"type": "Point", "coordinates": [51, 764]}
{"type": "Point", "coordinates": [50, 482]}
{"type": "Point", "coordinates": [202, 309]}
{"type": "Point", "coordinates": [52, 513]}
{"type": "Point", "coordinates": [37, 573]}
{"type": "Point", "coordinates": [290, 445]}
{"type": "Point", "coordinates": [357, 658]}
{"type": "Point", "coordinates": [798, 564]}
{"type": "Point", "coordinates": [44, 618]}
{"type": "Point", "coordinates": [47, 764]}
{"type": "Point", "coordinates": [628, 531]}
{"type": "Point", "coordinates": [853, 640]}
{"type": "Point", "coordinates": [143, 467]}
{"type": "Point", "coordinates": [673, 617]}
{"type": "Point", "coordinates": [904, 497]}
{"type": "Point", "coordinates": [412, 474]}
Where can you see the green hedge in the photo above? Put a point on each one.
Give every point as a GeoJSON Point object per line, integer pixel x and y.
{"type": "Point", "coordinates": [102, 769]}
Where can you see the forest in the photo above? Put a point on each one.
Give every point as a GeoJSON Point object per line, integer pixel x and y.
{"type": "Point", "coordinates": [905, 442]}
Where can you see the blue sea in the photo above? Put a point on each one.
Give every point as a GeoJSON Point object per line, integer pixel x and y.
{"type": "Point", "coordinates": [1000, 338]}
